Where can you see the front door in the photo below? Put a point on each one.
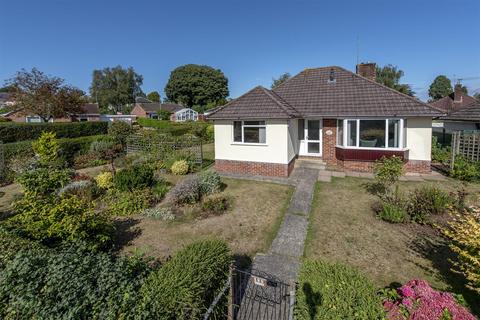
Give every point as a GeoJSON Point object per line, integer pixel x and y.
{"type": "Point", "coordinates": [312, 142]}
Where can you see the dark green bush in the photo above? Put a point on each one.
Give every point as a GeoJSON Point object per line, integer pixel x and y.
{"type": "Point", "coordinates": [440, 154]}
{"type": "Point", "coordinates": [465, 170]}
{"type": "Point", "coordinates": [160, 189]}
{"type": "Point", "coordinates": [186, 285]}
{"type": "Point", "coordinates": [135, 177]}
{"type": "Point", "coordinates": [426, 201]}
{"type": "Point", "coordinates": [14, 132]}
{"type": "Point", "coordinates": [196, 128]}
{"type": "Point", "coordinates": [119, 131]}
{"type": "Point", "coordinates": [10, 244]}
{"type": "Point", "coordinates": [70, 283]}
{"type": "Point", "coordinates": [335, 291]}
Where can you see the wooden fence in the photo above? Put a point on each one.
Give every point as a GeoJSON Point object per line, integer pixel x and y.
{"type": "Point", "coordinates": [466, 144]}
{"type": "Point", "coordinates": [162, 147]}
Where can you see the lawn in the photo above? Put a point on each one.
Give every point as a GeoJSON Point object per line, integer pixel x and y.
{"type": "Point", "coordinates": [344, 228]}
{"type": "Point", "coordinates": [248, 227]}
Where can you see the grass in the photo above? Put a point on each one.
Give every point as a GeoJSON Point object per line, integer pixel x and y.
{"type": "Point", "coordinates": [248, 227]}
{"type": "Point", "coordinates": [344, 228]}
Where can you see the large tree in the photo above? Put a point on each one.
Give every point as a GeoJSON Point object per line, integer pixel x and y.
{"type": "Point", "coordinates": [36, 93]}
{"type": "Point", "coordinates": [281, 79]}
{"type": "Point", "coordinates": [154, 96]}
{"type": "Point", "coordinates": [440, 87]}
{"type": "Point", "coordinates": [116, 87]}
{"type": "Point", "coordinates": [389, 76]}
{"type": "Point", "coordinates": [196, 85]}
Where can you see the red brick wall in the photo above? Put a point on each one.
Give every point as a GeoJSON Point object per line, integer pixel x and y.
{"type": "Point", "coordinates": [254, 168]}
{"type": "Point", "coordinates": [329, 141]}
{"type": "Point", "coordinates": [139, 112]}
{"type": "Point", "coordinates": [412, 166]}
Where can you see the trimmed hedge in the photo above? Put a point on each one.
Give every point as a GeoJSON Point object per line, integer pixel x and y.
{"type": "Point", "coordinates": [14, 132]}
{"type": "Point", "coordinates": [335, 291]}
{"type": "Point", "coordinates": [197, 128]}
{"type": "Point", "coordinates": [185, 286]}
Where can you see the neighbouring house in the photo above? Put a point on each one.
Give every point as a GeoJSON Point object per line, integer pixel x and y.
{"type": "Point", "coordinates": [90, 112]}
{"type": "Point", "coordinates": [145, 108]}
{"type": "Point", "coordinates": [331, 114]}
{"type": "Point", "coordinates": [462, 114]}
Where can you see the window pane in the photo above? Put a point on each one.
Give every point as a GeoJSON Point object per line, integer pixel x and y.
{"type": "Point", "coordinates": [301, 129]}
{"type": "Point", "coordinates": [340, 132]}
{"type": "Point", "coordinates": [313, 147]}
{"type": "Point", "coordinates": [313, 130]}
{"type": "Point", "coordinates": [254, 123]}
{"type": "Point", "coordinates": [252, 134]}
{"type": "Point", "coordinates": [372, 133]}
{"type": "Point", "coordinates": [393, 133]}
{"type": "Point", "coordinates": [262, 135]}
{"type": "Point", "coordinates": [237, 131]}
{"type": "Point", "coordinates": [352, 133]}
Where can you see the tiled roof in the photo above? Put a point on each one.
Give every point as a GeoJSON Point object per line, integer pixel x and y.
{"type": "Point", "coordinates": [90, 108]}
{"type": "Point", "coordinates": [469, 113]}
{"type": "Point", "coordinates": [446, 103]}
{"type": "Point", "coordinates": [156, 107]}
{"type": "Point", "coordinates": [171, 107]}
{"type": "Point", "coordinates": [312, 93]}
{"type": "Point", "coordinates": [258, 103]}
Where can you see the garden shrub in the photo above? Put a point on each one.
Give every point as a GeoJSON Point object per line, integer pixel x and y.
{"type": "Point", "coordinates": [71, 283]}
{"type": "Point", "coordinates": [464, 234]}
{"type": "Point", "coordinates": [388, 171]}
{"type": "Point", "coordinates": [135, 177]}
{"type": "Point", "coordinates": [215, 203]}
{"type": "Point", "coordinates": [186, 191]}
{"type": "Point", "coordinates": [160, 189]}
{"type": "Point", "coordinates": [14, 131]}
{"type": "Point", "coordinates": [21, 163]}
{"type": "Point", "coordinates": [44, 181]}
{"type": "Point", "coordinates": [180, 167]}
{"type": "Point", "coordinates": [392, 212]}
{"type": "Point", "coordinates": [119, 131]}
{"type": "Point", "coordinates": [70, 148]}
{"type": "Point", "coordinates": [335, 291]}
{"type": "Point", "coordinates": [129, 202]}
{"type": "Point", "coordinates": [83, 189]}
{"type": "Point", "coordinates": [210, 132]}
{"type": "Point", "coordinates": [46, 148]}
{"type": "Point", "coordinates": [86, 160]}
{"type": "Point", "coordinates": [185, 286]}
{"type": "Point", "coordinates": [53, 220]}
{"type": "Point", "coordinates": [102, 148]}
{"type": "Point", "coordinates": [417, 300]}
{"type": "Point", "coordinates": [10, 244]}
{"type": "Point", "coordinates": [426, 201]}
{"type": "Point", "coordinates": [165, 214]}
{"type": "Point", "coordinates": [210, 182]}
{"type": "Point", "coordinates": [439, 153]}
{"type": "Point", "coordinates": [465, 170]}
{"type": "Point", "coordinates": [105, 180]}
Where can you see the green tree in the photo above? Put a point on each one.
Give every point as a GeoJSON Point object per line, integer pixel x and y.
{"type": "Point", "coordinates": [36, 93]}
{"type": "Point", "coordinates": [281, 79]}
{"type": "Point", "coordinates": [116, 87]}
{"type": "Point", "coordinates": [154, 96]}
{"type": "Point", "coordinates": [198, 85]}
{"type": "Point", "coordinates": [389, 76]}
{"type": "Point", "coordinates": [440, 87]}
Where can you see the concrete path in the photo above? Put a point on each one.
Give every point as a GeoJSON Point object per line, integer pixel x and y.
{"type": "Point", "coordinates": [283, 258]}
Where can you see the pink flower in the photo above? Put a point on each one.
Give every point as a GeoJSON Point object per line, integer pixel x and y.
{"type": "Point", "coordinates": [407, 292]}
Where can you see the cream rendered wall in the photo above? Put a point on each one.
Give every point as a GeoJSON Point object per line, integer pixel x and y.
{"type": "Point", "coordinates": [419, 138]}
{"type": "Point", "coordinates": [274, 151]}
{"type": "Point", "coordinates": [293, 143]}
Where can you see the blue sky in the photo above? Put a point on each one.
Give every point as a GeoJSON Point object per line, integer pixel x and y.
{"type": "Point", "coordinates": [250, 41]}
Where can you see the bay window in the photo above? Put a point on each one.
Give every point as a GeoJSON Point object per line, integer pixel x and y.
{"type": "Point", "coordinates": [249, 132]}
{"type": "Point", "coordinates": [370, 133]}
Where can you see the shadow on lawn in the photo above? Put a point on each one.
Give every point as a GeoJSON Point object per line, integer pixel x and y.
{"type": "Point", "coordinates": [313, 300]}
{"type": "Point", "coordinates": [125, 232]}
{"type": "Point", "coordinates": [438, 252]}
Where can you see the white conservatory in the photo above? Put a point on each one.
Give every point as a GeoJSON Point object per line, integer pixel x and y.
{"type": "Point", "coordinates": [186, 114]}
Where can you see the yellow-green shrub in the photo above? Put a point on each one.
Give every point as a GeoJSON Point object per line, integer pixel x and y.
{"type": "Point", "coordinates": [46, 148]}
{"type": "Point", "coordinates": [179, 167]}
{"type": "Point", "coordinates": [105, 180]}
{"type": "Point", "coordinates": [464, 233]}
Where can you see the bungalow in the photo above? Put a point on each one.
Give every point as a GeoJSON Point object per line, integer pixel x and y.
{"type": "Point", "coordinates": [145, 108]}
{"type": "Point", "coordinates": [331, 114]}
{"type": "Point", "coordinates": [89, 112]}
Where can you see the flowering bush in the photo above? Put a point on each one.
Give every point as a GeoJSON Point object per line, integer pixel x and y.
{"type": "Point", "coordinates": [180, 167]}
{"type": "Point", "coordinates": [105, 180]}
{"type": "Point", "coordinates": [165, 214]}
{"type": "Point", "coordinates": [186, 191]}
{"type": "Point", "coordinates": [416, 300]}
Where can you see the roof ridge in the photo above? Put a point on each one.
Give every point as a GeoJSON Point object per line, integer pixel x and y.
{"type": "Point", "coordinates": [393, 90]}
{"type": "Point", "coordinates": [299, 73]}
{"type": "Point", "coordinates": [278, 100]}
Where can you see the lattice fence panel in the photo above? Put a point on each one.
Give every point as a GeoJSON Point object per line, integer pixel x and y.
{"type": "Point", "coordinates": [466, 144]}
{"type": "Point", "coordinates": [161, 146]}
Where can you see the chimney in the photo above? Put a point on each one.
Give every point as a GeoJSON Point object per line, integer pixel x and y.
{"type": "Point", "coordinates": [367, 70]}
{"type": "Point", "coordinates": [457, 93]}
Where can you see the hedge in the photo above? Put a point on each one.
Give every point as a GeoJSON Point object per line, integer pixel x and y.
{"type": "Point", "coordinates": [14, 132]}
{"type": "Point", "coordinates": [335, 291]}
{"type": "Point", "coordinates": [197, 128]}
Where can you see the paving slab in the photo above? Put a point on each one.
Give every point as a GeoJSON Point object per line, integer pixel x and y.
{"type": "Point", "coordinates": [325, 178]}
{"type": "Point", "coordinates": [282, 267]}
{"type": "Point", "coordinates": [338, 174]}
{"type": "Point", "coordinates": [290, 239]}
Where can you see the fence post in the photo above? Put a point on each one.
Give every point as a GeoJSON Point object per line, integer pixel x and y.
{"type": "Point", "coordinates": [231, 293]}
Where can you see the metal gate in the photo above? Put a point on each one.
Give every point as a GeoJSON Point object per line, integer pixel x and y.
{"type": "Point", "coordinates": [260, 296]}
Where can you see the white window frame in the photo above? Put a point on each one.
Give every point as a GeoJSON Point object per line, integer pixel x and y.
{"type": "Point", "coordinates": [264, 125]}
{"type": "Point", "coordinates": [401, 140]}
